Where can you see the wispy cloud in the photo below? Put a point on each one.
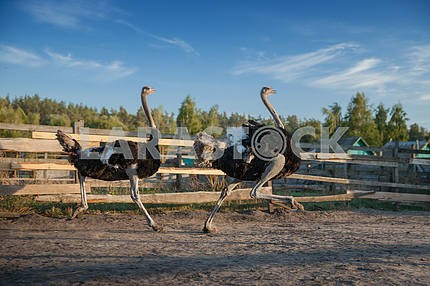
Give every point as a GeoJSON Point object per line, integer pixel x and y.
{"type": "Point", "coordinates": [13, 55]}
{"type": "Point", "coordinates": [338, 67]}
{"type": "Point", "coordinates": [170, 41]}
{"type": "Point", "coordinates": [425, 98]}
{"type": "Point", "coordinates": [105, 71]}
{"type": "Point", "coordinates": [109, 71]}
{"type": "Point", "coordinates": [363, 74]}
{"type": "Point", "coordinates": [289, 68]}
{"type": "Point", "coordinates": [66, 14]}
{"type": "Point", "coordinates": [419, 59]}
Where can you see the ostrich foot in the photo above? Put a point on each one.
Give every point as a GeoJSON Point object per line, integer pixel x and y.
{"type": "Point", "coordinates": [78, 211]}
{"type": "Point", "coordinates": [288, 203]}
{"type": "Point", "coordinates": [297, 205]}
{"type": "Point", "coordinates": [157, 228]}
{"type": "Point", "coordinates": [209, 229]}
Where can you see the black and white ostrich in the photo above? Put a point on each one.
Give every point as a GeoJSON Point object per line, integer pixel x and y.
{"type": "Point", "coordinates": [250, 167]}
{"type": "Point", "coordinates": [118, 160]}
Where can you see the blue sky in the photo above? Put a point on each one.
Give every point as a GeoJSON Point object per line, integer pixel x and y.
{"type": "Point", "coordinates": [315, 53]}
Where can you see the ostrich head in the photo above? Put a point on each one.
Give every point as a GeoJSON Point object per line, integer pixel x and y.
{"type": "Point", "coordinates": [266, 91]}
{"type": "Point", "coordinates": [147, 90]}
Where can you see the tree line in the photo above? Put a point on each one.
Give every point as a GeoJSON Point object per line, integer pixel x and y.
{"type": "Point", "coordinates": [376, 125]}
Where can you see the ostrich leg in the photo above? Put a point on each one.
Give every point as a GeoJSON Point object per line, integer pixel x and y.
{"type": "Point", "coordinates": [134, 193]}
{"type": "Point", "coordinates": [271, 171]}
{"type": "Point", "coordinates": [84, 205]}
{"type": "Point", "coordinates": [225, 192]}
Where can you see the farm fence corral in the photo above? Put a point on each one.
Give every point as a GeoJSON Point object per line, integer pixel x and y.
{"type": "Point", "coordinates": [37, 166]}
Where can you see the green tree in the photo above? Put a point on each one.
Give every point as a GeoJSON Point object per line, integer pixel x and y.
{"type": "Point", "coordinates": [381, 116]}
{"type": "Point", "coordinates": [417, 132]}
{"type": "Point", "coordinates": [360, 121]}
{"type": "Point", "coordinates": [397, 128]}
{"type": "Point", "coordinates": [212, 117]}
{"type": "Point", "coordinates": [189, 116]}
{"type": "Point", "coordinates": [333, 117]}
{"type": "Point", "coordinates": [292, 123]}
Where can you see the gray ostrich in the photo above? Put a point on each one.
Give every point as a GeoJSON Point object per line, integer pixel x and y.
{"type": "Point", "coordinates": [110, 165]}
{"type": "Point", "coordinates": [251, 167]}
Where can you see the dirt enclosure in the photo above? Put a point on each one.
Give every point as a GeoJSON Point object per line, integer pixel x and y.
{"type": "Point", "coordinates": [254, 248]}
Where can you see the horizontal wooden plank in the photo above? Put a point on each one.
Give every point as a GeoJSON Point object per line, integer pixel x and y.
{"type": "Point", "coordinates": [358, 182]}
{"type": "Point", "coordinates": [359, 162]}
{"type": "Point", "coordinates": [31, 127]}
{"type": "Point", "coordinates": [66, 166]}
{"type": "Point", "coordinates": [391, 196]}
{"type": "Point", "coordinates": [29, 145]}
{"type": "Point", "coordinates": [420, 161]}
{"type": "Point", "coordinates": [41, 166]}
{"type": "Point", "coordinates": [324, 156]}
{"type": "Point", "coordinates": [67, 129]}
{"type": "Point", "coordinates": [169, 198]}
{"type": "Point", "coordinates": [40, 189]}
{"type": "Point", "coordinates": [332, 198]}
{"type": "Point", "coordinates": [190, 171]}
{"type": "Point", "coordinates": [108, 138]}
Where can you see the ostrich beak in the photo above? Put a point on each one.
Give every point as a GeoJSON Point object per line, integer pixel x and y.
{"type": "Point", "coordinates": [273, 91]}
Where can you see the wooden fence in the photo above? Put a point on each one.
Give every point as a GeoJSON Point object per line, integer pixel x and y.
{"type": "Point", "coordinates": [42, 153]}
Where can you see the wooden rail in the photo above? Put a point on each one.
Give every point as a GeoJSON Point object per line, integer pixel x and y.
{"type": "Point", "coordinates": [202, 171]}
{"type": "Point", "coordinates": [169, 198]}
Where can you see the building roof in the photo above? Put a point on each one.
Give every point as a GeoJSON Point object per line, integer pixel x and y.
{"type": "Point", "coordinates": [351, 141]}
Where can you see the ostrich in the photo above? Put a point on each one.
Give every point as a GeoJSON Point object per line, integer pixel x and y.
{"type": "Point", "coordinates": [251, 167]}
{"type": "Point", "coordinates": [118, 160]}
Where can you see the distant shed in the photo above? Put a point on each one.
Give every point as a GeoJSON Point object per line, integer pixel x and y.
{"type": "Point", "coordinates": [356, 141]}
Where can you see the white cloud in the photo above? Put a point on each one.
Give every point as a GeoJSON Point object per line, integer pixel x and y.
{"type": "Point", "coordinates": [66, 14]}
{"type": "Point", "coordinates": [363, 74]}
{"type": "Point", "coordinates": [171, 41]}
{"type": "Point", "coordinates": [102, 70]}
{"type": "Point", "coordinates": [419, 59]}
{"type": "Point", "coordinates": [425, 97]}
{"type": "Point", "coordinates": [13, 55]}
{"type": "Point", "coordinates": [108, 71]}
{"type": "Point", "coordinates": [177, 42]}
{"type": "Point", "coordinates": [288, 68]}
{"type": "Point", "coordinates": [338, 69]}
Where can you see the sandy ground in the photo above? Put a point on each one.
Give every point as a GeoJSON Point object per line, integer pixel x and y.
{"type": "Point", "coordinates": [254, 248]}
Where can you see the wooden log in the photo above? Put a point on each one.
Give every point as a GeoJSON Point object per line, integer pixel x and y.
{"type": "Point", "coordinates": [40, 189]}
{"type": "Point", "coordinates": [169, 198]}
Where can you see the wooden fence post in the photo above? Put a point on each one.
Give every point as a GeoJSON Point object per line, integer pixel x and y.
{"type": "Point", "coordinates": [396, 169]}
{"type": "Point", "coordinates": [77, 125]}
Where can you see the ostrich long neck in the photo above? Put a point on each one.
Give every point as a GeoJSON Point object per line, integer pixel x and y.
{"type": "Point", "coordinates": [272, 111]}
{"type": "Point", "coordinates": [148, 112]}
